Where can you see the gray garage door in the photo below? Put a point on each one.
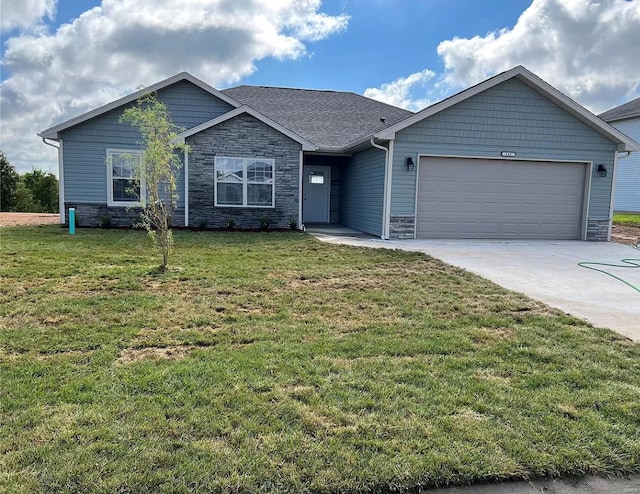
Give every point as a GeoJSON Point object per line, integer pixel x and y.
{"type": "Point", "coordinates": [475, 198]}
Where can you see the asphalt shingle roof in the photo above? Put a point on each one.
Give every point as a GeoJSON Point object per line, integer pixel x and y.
{"type": "Point", "coordinates": [332, 120]}
{"type": "Point", "coordinates": [628, 110]}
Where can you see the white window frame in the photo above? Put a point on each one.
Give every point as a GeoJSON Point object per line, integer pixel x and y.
{"type": "Point", "coordinates": [245, 162]}
{"type": "Point", "coordinates": [143, 184]}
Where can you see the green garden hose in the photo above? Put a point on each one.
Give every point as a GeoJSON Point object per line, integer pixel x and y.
{"type": "Point", "coordinates": [628, 263]}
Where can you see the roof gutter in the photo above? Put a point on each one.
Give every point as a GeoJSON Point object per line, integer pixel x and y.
{"type": "Point", "coordinates": [44, 139]}
{"type": "Point", "coordinates": [386, 201]}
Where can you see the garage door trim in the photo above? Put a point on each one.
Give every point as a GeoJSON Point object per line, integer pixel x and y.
{"type": "Point", "coordinates": [586, 196]}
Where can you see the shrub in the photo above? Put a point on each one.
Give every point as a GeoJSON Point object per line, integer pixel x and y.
{"type": "Point", "coordinates": [105, 221]}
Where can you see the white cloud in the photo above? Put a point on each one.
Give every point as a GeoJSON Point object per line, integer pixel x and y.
{"type": "Point", "coordinates": [25, 14]}
{"type": "Point", "coordinates": [123, 44]}
{"type": "Point", "coordinates": [399, 92]}
{"type": "Point", "coordinates": [588, 49]}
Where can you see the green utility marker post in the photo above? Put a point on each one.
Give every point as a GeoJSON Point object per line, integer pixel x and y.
{"type": "Point", "coordinates": [72, 221]}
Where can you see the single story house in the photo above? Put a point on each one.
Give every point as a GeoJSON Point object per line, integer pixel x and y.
{"type": "Point", "coordinates": [626, 118]}
{"type": "Point", "coordinates": [509, 158]}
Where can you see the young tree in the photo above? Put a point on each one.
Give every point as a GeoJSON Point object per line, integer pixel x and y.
{"type": "Point", "coordinates": [159, 168]}
{"type": "Point", "coordinates": [8, 184]}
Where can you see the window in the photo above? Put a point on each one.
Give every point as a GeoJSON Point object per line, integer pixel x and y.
{"type": "Point", "coordinates": [244, 182]}
{"type": "Point", "coordinates": [123, 188]}
{"type": "Point", "coordinates": [316, 178]}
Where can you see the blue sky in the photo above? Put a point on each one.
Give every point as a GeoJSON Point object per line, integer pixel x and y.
{"type": "Point", "coordinates": [385, 39]}
{"type": "Point", "coordinates": [61, 58]}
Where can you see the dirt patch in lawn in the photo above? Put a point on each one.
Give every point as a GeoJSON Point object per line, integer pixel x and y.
{"type": "Point", "coordinates": [626, 234]}
{"type": "Point", "coordinates": [17, 219]}
{"type": "Point", "coordinates": [130, 355]}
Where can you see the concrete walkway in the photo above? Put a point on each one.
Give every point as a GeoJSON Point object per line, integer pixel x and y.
{"type": "Point", "coordinates": [547, 271]}
{"type": "Point", "coordinates": [586, 485]}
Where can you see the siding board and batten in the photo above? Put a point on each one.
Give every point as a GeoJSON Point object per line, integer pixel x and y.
{"type": "Point", "coordinates": [362, 192]}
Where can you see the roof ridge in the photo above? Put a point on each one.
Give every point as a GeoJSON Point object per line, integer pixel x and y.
{"type": "Point", "coordinates": [335, 91]}
{"type": "Point", "coordinates": [288, 88]}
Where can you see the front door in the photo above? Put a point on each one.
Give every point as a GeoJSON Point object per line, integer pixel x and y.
{"type": "Point", "coordinates": [316, 184]}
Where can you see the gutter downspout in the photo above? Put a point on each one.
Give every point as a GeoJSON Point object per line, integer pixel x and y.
{"type": "Point", "coordinates": [387, 187]}
{"type": "Point", "coordinates": [60, 178]}
{"type": "Point", "coordinates": [186, 188]}
{"type": "Point", "coordinates": [616, 157]}
{"type": "Point", "coordinates": [300, 194]}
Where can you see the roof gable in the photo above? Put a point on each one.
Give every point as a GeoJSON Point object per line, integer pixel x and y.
{"type": "Point", "coordinates": [622, 112]}
{"type": "Point", "coordinates": [332, 120]}
{"type": "Point", "coordinates": [306, 145]}
{"type": "Point", "coordinates": [53, 132]}
{"type": "Point", "coordinates": [524, 75]}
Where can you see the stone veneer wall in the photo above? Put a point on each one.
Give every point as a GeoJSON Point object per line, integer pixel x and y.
{"type": "Point", "coordinates": [91, 215]}
{"type": "Point", "coordinates": [598, 230]}
{"type": "Point", "coordinates": [242, 137]}
{"type": "Point", "coordinates": [401, 227]}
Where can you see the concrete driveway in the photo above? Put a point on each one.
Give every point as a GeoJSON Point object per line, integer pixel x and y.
{"type": "Point", "coordinates": [547, 271]}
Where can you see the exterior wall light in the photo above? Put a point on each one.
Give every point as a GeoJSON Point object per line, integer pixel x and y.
{"type": "Point", "coordinates": [410, 164]}
{"type": "Point", "coordinates": [602, 170]}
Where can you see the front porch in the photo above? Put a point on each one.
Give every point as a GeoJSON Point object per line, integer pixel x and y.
{"type": "Point", "coordinates": [327, 231]}
{"type": "Point", "coordinates": [342, 192]}
{"type": "Point", "coordinates": [321, 182]}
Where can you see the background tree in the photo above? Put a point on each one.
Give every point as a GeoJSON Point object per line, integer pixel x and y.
{"type": "Point", "coordinates": [43, 188]}
{"type": "Point", "coordinates": [159, 168]}
{"type": "Point", "coordinates": [24, 202]}
{"type": "Point", "coordinates": [32, 192]}
{"type": "Point", "coordinates": [8, 183]}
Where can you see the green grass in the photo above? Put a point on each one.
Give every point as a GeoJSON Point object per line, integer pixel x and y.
{"type": "Point", "coordinates": [627, 219]}
{"type": "Point", "coordinates": [275, 363]}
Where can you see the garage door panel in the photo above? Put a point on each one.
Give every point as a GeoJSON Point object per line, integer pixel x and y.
{"type": "Point", "coordinates": [489, 230]}
{"type": "Point", "coordinates": [473, 198]}
{"type": "Point", "coordinates": [449, 207]}
{"type": "Point", "coordinates": [467, 227]}
{"type": "Point", "coordinates": [489, 208]}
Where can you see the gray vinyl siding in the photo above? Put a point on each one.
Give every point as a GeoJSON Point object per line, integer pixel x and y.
{"type": "Point", "coordinates": [85, 145]}
{"type": "Point", "coordinates": [508, 117]}
{"type": "Point", "coordinates": [362, 192]}
{"type": "Point", "coordinates": [627, 190]}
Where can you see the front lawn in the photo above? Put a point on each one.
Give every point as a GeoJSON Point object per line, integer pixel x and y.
{"type": "Point", "coordinates": [273, 362]}
{"type": "Point", "coordinates": [627, 219]}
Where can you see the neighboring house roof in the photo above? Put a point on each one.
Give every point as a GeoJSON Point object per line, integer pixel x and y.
{"type": "Point", "coordinates": [52, 132]}
{"type": "Point", "coordinates": [306, 145]}
{"type": "Point", "coordinates": [332, 120]}
{"type": "Point", "coordinates": [624, 142]}
{"type": "Point", "coordinates": [622, 112]}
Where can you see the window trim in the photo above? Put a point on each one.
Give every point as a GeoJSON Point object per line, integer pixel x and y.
{"type": "Point", "coordinates": [143, 184]}
{"type": "Point", "coordinates": [246, 162]}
